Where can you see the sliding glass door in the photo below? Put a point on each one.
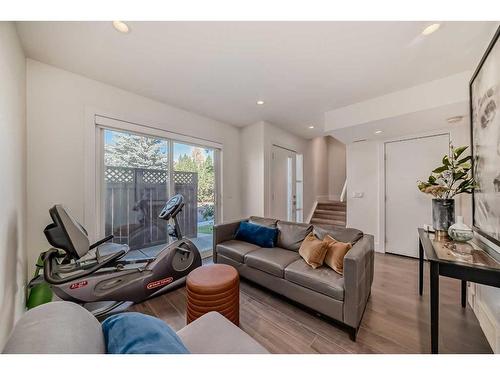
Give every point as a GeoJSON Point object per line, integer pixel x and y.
{"type": "Point", "coordinates": [194, 177]}
{"type": "Point", "coordinates": [140, 173]}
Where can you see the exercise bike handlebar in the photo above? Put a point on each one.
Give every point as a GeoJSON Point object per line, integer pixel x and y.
{"type": "Point", "coordinates": [100, 242]}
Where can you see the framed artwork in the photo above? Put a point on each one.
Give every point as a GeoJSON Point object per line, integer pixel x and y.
{"type": "Point", "coordinates": [484, 90]}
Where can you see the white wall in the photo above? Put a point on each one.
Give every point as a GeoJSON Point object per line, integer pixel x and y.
{"type": "Point", "coordinates": [252, 166]}
{"type": "Point", "coordinates": [57, 119]}
{"type": "Point", "coordinates": [336, 167]}
{"type": "Point", "coordinates": [256, 145]}
{"type": "Point", "coordinates": [365, 174]}
{"type": "Point", "coordinates": [13, 183]}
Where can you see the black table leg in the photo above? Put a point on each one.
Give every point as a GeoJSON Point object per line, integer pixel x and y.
{"type": "Point", "coordinates": [434, 306]}
{"type": "Point", "coordinates": [464, 293]}
{"type": "Point", "coordinates": [420, 267]}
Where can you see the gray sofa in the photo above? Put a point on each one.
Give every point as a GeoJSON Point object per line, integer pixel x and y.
{"type": "Point", "coordinates": [282, 270]}
{"type": "Point", "coordinates": [67, 328]}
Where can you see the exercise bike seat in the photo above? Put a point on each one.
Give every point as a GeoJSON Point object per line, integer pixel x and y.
{"type": "Point", "coordinates": [110, 248]}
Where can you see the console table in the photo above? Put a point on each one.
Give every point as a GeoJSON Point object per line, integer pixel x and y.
{"type": "Point", "coordinates": [465, 262]}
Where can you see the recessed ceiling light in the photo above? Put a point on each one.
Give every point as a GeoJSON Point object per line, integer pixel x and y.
{"type": "Point", "coordinates": [454, 119]}
{"type": "Point", "coordinates": [311, 127]}
{"type": "Point", "coordinates": [260, 102]}
{"type": "Point", "coordinates": [431, 28]}
{"type": "Point", "coordinates": [121, 26]}
{"type": "Point", "coordinates": [378, 132]}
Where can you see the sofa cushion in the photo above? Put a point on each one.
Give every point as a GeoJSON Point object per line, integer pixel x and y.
{"type": "Point", "coordinates": [214, 334]}
{"type": "Point", "coordinates": [271, 260]}
{"type": "Point", "coordinates": [322, 280]}
{"type": "Point", "coordinates": [350, 235]}
{"type": "Point", "coordinates": [136, 333]}
{"type": "Point", "coordinates": [335, 253]}
{"type": "Point", "coordinates": [257, 234]}
{"type": "Point", "coordinates": [313, 251]}
{"type": "Point", "coordinates": [264, 221]}
{"type": "Point", "coordinates": [291, 234]}
{"type": "Point", "coordinates": [235, 249]}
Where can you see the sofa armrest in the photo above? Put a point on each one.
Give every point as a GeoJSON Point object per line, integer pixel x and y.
{"type": "Point", "coordinates": [358, 278]}
{"type": "Point", "coordinates": [59, 327]}
{"type": "Point", "coordinates": [222, 233]}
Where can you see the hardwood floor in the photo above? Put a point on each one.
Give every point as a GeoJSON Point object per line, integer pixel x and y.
{"type": "Point", "coordinates": [396, 319]}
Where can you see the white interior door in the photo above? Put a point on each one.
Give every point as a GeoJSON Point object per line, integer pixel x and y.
{"type": "Point", "coordinates": [283, 183]}
{"type": "Point", "coordinates": [406, 208]}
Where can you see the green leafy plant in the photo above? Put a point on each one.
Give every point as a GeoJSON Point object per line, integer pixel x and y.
{"type": "Point", "coordinates": [204, 166]}
{"type": "Point", "coordinates": [208, 212]}
{"type": "Point", "coordinates": [453, 177]}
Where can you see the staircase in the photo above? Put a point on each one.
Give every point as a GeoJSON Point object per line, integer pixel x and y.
{"type": "Point", "coordinates": [330, 213]}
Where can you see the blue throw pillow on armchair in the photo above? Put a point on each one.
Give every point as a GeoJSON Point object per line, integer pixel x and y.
{"type": "Point", "coordinates": [257, 234]}
{"type": "Point", "coordinates": [135, 333]}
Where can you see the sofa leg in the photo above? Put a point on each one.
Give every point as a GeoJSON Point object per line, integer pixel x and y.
{"type": "Point", "coordinates": [352, 333]}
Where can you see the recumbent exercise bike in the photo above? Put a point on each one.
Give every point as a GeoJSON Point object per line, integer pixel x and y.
{"type": "Point", "coordinates": [77, 274]}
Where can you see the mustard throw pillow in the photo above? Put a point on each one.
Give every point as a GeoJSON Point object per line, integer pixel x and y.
{"type": "Point", "coordinates": [313, 250]}
{"type": "Point", "coordinates": [335, 253]}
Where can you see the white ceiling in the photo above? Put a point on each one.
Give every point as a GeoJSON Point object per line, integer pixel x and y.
{"type": "Point", "coordinates": [220, 69]}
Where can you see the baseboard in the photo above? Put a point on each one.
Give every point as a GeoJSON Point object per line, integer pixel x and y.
{"type": "Point", "coordinates": [377, 248]}
{"type": "Point", "coordinates": [486, 318]}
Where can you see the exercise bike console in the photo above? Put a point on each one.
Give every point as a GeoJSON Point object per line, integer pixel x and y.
{"type": "Point", "coordinates": [170, 211]}
{"type": "Point", "coordinates": [172, 207]}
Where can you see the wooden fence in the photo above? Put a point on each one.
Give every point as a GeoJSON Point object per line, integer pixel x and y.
{"type": "Point", "coordinates": [135, 197]}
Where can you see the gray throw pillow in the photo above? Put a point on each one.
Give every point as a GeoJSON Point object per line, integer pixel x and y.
{"type": "Point", "coordinates": [291, 234]}
{"type": "Point", "coordinates": [350, 235]}
{"type": "Point", "coordinates": [264, 221]}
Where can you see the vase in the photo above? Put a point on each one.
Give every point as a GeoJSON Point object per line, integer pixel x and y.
{"type": "Point", "coordinates": [459, 231]}
{"type": "Point", "coordinates": [443, 215]}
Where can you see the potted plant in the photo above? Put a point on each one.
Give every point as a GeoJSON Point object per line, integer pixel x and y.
{"type": "Point", "coordinates": [453, 177]}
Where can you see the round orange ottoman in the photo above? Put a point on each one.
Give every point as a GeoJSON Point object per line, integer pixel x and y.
{"type": "Point", "coordinates": [214, 287]}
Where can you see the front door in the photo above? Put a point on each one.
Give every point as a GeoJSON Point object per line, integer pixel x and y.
{"type": "Point", "coordinates": [283, 183]}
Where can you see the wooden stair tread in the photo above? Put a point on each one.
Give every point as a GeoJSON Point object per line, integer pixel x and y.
{"type": "Point", "coordinates": [323, 206]}
{"type": "Point", "coordinates": [328, 217]}
{"type": "Point", "coordinates": [337, 203]}
{"type": "Point", "coordinates": [328, 221]}
{"type": "Point", "coordinates": [329, 212]}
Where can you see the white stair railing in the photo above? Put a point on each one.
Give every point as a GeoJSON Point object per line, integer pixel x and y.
{"type": "Point", "coordinates": [344, 191]}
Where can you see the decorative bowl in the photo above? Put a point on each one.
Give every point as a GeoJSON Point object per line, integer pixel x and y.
{"type": "Point", "coordinates": [460, 235]}
{"type": "Point", "coordinates": [460, 232]}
